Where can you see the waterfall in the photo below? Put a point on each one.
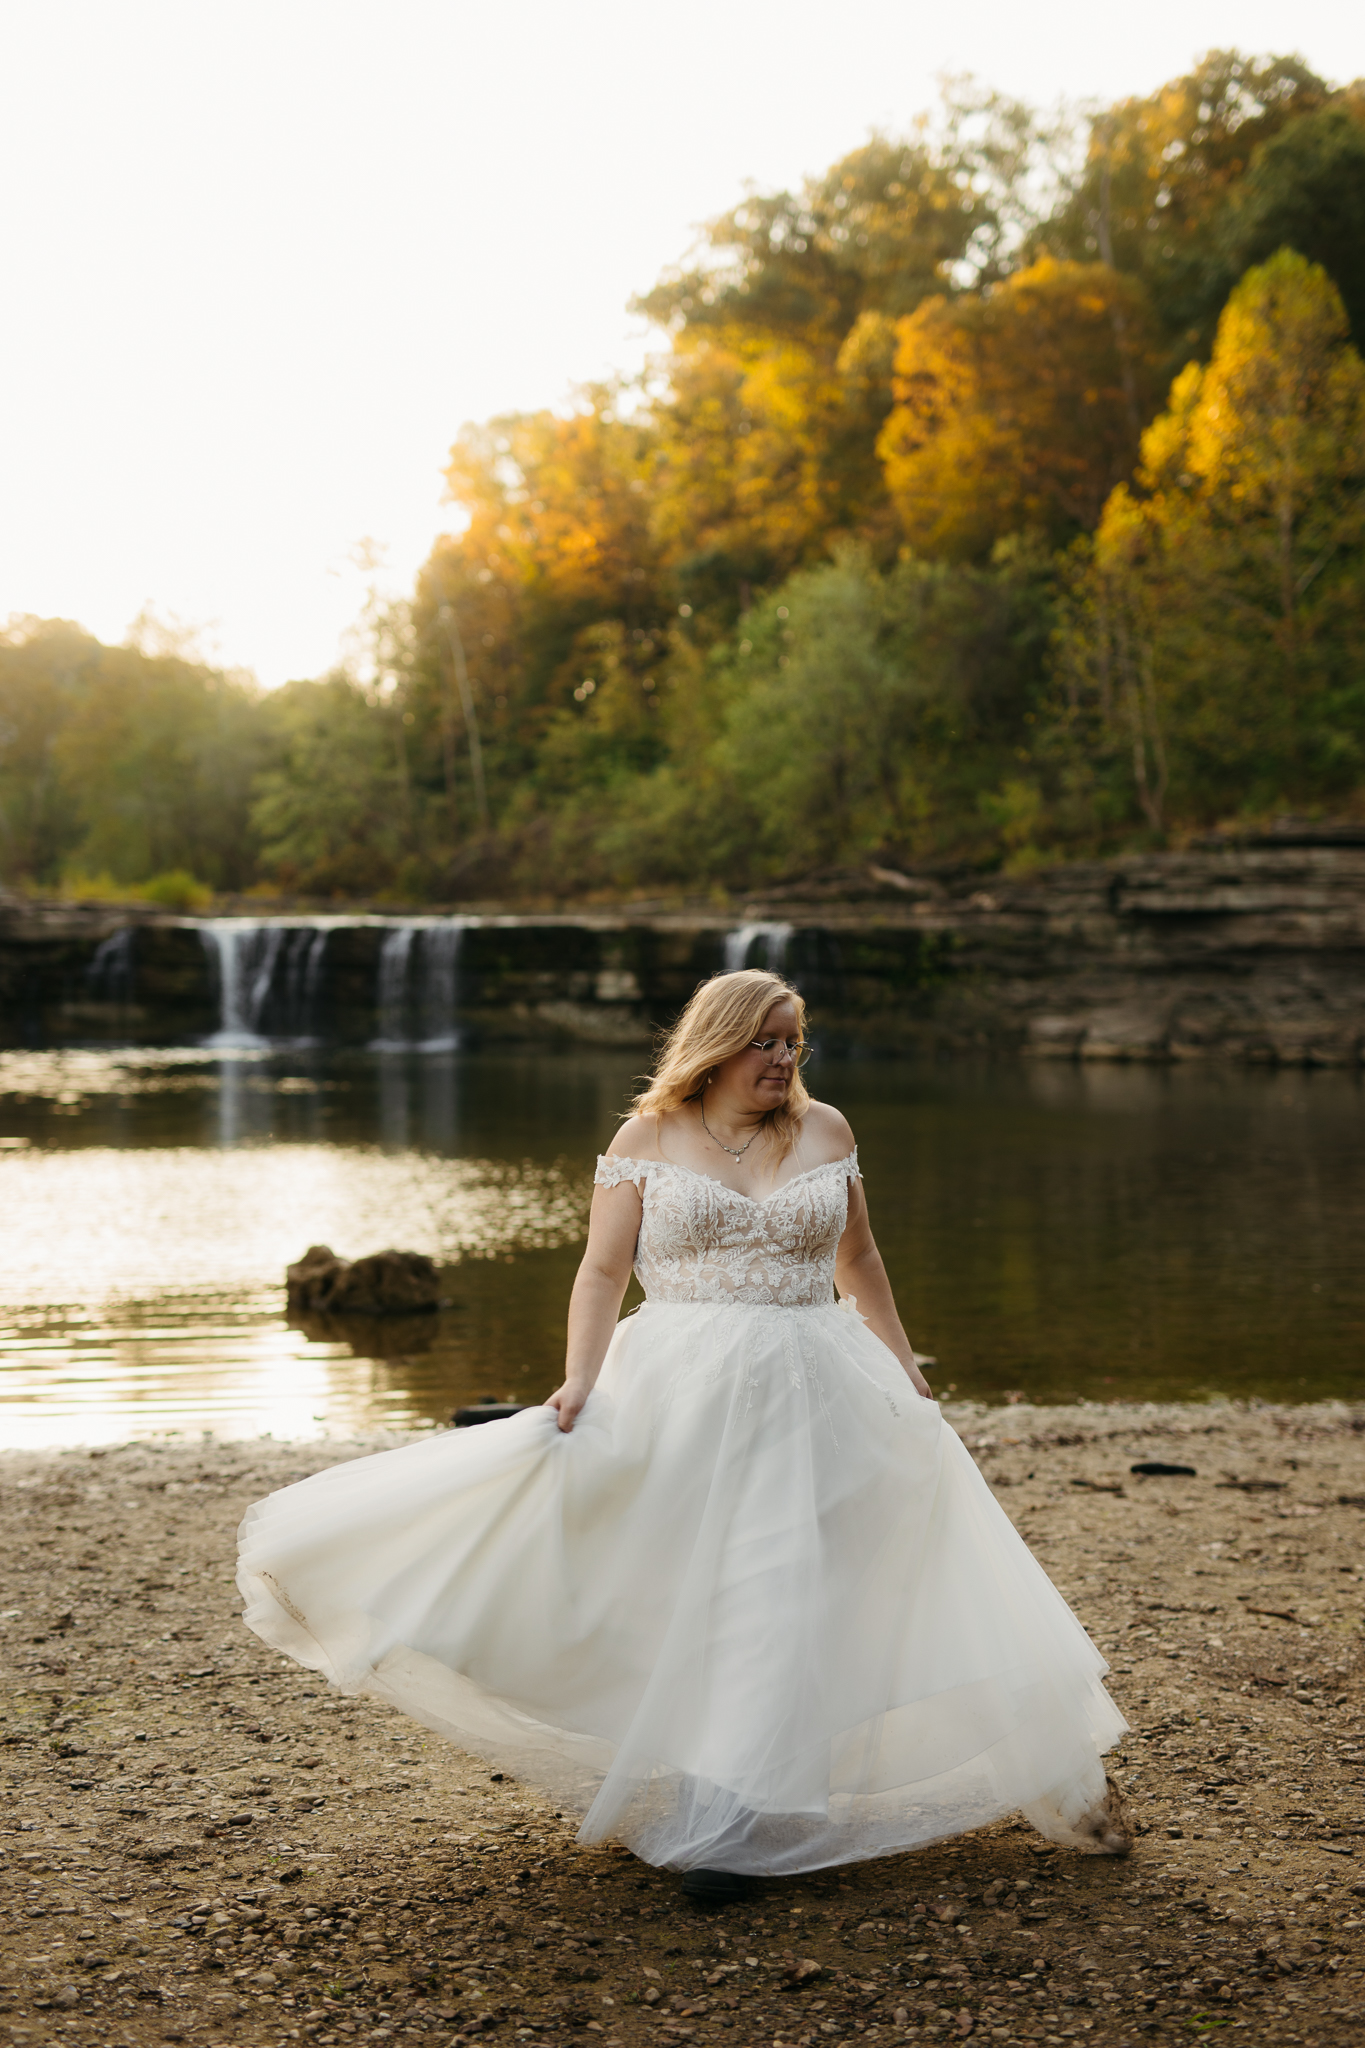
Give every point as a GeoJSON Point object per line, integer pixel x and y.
{"type": "Point", "coordinates": [268, 979]}
{"type": "Point", "coordinates": [767, 942]}
{"type": "Point", "coordinates": [109, 976]}
{"type": "Point", "coordinates": [440, 984]}
{"type": "Point", "coordinates": [245, 953]}
{"type": "Point", "coordinates": [395, 954]}
{"type": "Point", "coordinates": [418, 992]}
{"type": "Point", "coordinates": [302, 978]}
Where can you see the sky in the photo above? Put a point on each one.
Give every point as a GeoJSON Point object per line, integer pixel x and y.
{"type": "Point", "coordinates": [262, 258]}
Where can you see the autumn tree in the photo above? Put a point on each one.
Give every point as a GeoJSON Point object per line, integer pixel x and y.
{"type": "Point", "coordinates": [557, 542]}
{"type": "Point", "coordinates": [1017, 408]}
{"type": "Point", "coordinates": [951, 340]}
{"type": "Point", "coordinates": [1159, 174]}
{"type": "Point", "coordinates": [1216, 654]}
{"type": "Point", "coordinates": [782, 335]}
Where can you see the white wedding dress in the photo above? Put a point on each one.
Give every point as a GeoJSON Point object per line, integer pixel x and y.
{"type": "Point", "coordinates": [758, 1612]}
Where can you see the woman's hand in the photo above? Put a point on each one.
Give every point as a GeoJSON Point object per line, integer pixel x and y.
{"type": "Point", "coordinates": [568, 1400]}
{"type": "Point", "coordinates": [918, 1381]}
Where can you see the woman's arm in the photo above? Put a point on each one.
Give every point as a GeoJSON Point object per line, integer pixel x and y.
{"type": "Point", "coordinates": [596, 1299]}
{"type": "Point", "coordinates": [859, 1271]}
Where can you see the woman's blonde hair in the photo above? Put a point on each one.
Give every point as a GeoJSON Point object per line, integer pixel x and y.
{"type": "Point", "coordinates": [724, 1016]}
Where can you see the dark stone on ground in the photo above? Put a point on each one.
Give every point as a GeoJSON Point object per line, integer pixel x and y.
{"type": "Point", "coordinates": [389, 1283]}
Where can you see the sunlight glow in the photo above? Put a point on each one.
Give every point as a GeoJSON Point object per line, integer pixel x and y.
{"type": "Point", "coordinates": [263, 261]}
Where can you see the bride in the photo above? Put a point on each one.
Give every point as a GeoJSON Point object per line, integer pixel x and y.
{"type": "Point", "coordinates": [737, 1593]}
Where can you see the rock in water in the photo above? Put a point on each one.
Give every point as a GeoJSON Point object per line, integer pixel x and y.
{"type": "Point", "coordinates": [387, 1283]}
{"type": "Point", "coordinates": [486, 1411]}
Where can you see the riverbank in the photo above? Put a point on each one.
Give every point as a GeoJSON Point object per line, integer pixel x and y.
{"type": "Point", "coordinates": [1251, 951]}
{"type": "Point", "coordinates": [199, 1844]}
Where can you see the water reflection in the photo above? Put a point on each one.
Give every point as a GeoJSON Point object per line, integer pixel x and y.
{"type": "Point", "coordinates": [417, 1100]}
{"type": "Point", "coordinates": [1053, 1229]}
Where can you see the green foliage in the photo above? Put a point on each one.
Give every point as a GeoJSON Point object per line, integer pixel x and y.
{"type": "Point", "coordinates": [868, 706]}
{"type": "Point", "coordinates": [120, 762]}
{"type": "Point", "coordinates": [788, 603]}
{"type": "Point", "coordinates": [177, 889]}
{"type": "Point", "coordinates": [44, 674]}
{"type": "Point", "coordinates": [984, 503]}
{"type": "Point", "coordinates": [1158, 178]}
{"type": "Point", "coordinates": [334, 811]}
{"type": "Point", "coordinates": [1305, 190]}
{"type": "Point", "coordinates": [855, 713]}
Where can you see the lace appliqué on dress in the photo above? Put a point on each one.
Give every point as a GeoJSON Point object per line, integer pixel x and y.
{"type": "Point", "coordinates": [703, 1241]}
{"type": "Point", "coordinates": [612, 1170]}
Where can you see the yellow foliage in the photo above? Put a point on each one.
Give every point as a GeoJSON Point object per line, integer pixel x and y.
{"type": "Point", "coordinates": [557, 502]}
{"type": "Point", "coordinates": [1016, 408]}
{"type": "Point", "coordinates": [1224, 611]}
{"type": "Point", "coordinates": [1278, 409]}
{"type": "Point", "coordinates": [742, 447]}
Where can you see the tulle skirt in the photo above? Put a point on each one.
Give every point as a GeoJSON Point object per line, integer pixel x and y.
{"type": "Point", "coordinates": [757, 1612]}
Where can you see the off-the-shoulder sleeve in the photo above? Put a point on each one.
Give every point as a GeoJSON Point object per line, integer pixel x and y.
{"type": "Point", "coordinates": [613, 1168]}
{"type": "Point", "coordinates": [851, 1167]}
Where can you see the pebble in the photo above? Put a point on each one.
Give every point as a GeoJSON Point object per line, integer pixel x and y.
{"type": "Point", "coordinates": [1137, 1575]}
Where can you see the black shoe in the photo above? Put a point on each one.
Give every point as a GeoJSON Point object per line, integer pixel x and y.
{"type": "Point", "coordinates": [715, 1887]}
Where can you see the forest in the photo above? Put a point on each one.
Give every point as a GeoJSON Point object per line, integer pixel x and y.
{"type": "Point", "coordinates": [997, 499]}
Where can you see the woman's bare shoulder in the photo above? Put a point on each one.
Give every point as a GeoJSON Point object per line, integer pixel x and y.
{"type": "Point", "coordinates": [638, 1138]}
{"type": "Point", "coordinates": [826, 1132]}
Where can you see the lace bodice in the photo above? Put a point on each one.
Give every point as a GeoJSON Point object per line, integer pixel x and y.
{"type": "Point", "coordinates": [702, 1241]}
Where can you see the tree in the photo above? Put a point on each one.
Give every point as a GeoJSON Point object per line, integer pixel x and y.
{"type": "Point", "coordinates": [1214, 656]}
{"type": "Point", "coordinates": [782, 333]}
{"type": "Point", "coordinates": [557, 540]}
{"type": "Point", "coordinates": [876, 708]}
{"type": "Point", "coordinates": [122, 763]}
{"type": "Point", "coordinates": [855, 714]}
{"type": "Point", "coordinates": [1305, 190]}
{"type": "Point", "coordinates": [159, 759]}
{"type": "Point", "coordinates": [44, 664]}
{"type": "Point", "coordinates": [1158, 176]}
{"type": "Point", "coordinates": [879, 230]}
{"type": "Point", "coordinates": [765, 453]}
{"type": "Point", "coordinates": [558, 537]}
{"type": "Point", "coordinates": [333, 811]}
{"type": "Point", "coordinates": [1017, 408]}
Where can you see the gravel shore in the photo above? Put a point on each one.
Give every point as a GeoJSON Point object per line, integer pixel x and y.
{"type": "Point", "coordinates": [200, 1844]}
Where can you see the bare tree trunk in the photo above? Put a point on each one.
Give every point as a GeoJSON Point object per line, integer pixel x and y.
{"type": "Point", "coordinates": [448, 765]}
{"type": "Point", "coordinates": [471, 717]}
{"type": "Point", "coordinates": [1105, 239]}
{"type": "Point", "coordinates": [1150, 799]}
{"type": "Point", "coordinates": [1288, 585]}
{"type": "Point", "coordinates": [1106, 675]}
{"type": "Point", "coordinates": [404, 781]}
{"type": "Point", "coordinates": [1158, 740]}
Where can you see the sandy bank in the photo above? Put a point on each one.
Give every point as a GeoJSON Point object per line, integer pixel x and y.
{"type": "Point", "coordinates": [200, 1845]}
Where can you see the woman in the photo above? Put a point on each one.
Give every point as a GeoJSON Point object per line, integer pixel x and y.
{"type": "Point", "coordinates": [737, 1592]}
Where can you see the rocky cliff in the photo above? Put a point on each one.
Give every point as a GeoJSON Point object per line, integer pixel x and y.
{"type": "Point", "coordinates": [1253, 951]}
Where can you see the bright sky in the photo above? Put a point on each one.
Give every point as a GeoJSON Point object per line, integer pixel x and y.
{"type": "Point", "coordinates": [263, 257]}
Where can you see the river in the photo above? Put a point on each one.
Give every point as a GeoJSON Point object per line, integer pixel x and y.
{"type": "Point", "coordinates": [1052, 1230]}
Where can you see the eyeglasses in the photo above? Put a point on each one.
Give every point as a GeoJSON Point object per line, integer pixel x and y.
{"type": "Point", "coordinates": [794, 1049]}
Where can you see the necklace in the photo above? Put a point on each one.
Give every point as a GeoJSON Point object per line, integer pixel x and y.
{"type": "Point", "coordinates": [735, 1151]}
